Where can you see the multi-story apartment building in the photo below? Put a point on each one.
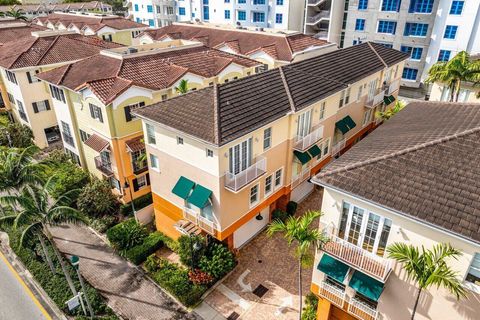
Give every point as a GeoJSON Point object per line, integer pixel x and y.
{"type": "Point", "coordinates": [275, 14]}
{"type": "Point", "coordinates": [272, 49]}
{"type": "Point", "coordinates": [35, 8]}
{"type": "Point", "coordinates": [20, 62]}
{"type": "Point", "coordinates": [95, 97]}
{"type": "Point", "coordinates": [428, 30]}
{"type": "Point", "coordinates": [414, 181]}
{"type": "Point", "coordinates": [108, 27]}
{"type": "Point", "coordinates": [222, 158]}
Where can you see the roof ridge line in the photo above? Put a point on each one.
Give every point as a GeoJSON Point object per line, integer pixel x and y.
{"type": "Point", "coordinates": [401, 152]}
{"type": "Point", "coordinates": [287, 89]}
{"type": "Point", "coordinates": [377, 54]}
{"type": "Point", "coordinates": [49, 47]}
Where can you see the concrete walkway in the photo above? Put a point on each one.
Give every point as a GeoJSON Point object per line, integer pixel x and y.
{"type": "Point", "coordinates": [128, 292]}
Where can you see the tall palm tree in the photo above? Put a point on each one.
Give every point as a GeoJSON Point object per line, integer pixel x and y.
{"type": "Point", "coordinates": [299, 231]}
{"type": "Point", "coordinates": [37, 211]}
{"type": "Point", "coordinates": [182, 87]}
{"type": "Point", "coordinates": [17, 14]}
{"type": "Point", "coordinates": [18, 168]}
{"type": "Point", "coordinates": [428, 268]}
{"type": "Point", "coordinates": [452, 73]}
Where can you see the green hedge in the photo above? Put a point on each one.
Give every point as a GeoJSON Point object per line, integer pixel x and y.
{"type": "Point", "coordinates": [139, 253]}
{"type": "Point", "coordinates": [174, 279]}
{"type": "Point", "coordinates": [139, 203]}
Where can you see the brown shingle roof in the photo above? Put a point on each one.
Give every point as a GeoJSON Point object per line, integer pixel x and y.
{"type": "Point", "coordinates": [97, 143]}
{"type": "Point", "coordinates": [44, 50]}
{"type": "Point", "coordinates": [423, 163]}
{"type": "Point", "coordinates": [237, 108]}
{"type": "Point", "coordinates": [135, 144]}
{"type": "Point", "coordinates": [108, 76]}
{"type": "Point", "coordinates": [14, 33]}
{"type": "Point", "coordinates": [282, 47]}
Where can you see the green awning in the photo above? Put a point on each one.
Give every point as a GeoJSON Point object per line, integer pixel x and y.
{"type": "Point", "coordinates": [333, 268]}
{"type": "Point", "coordinates": [342, 126]}
{"type": "Point", "coordinates": [366, 285]}
{"type": "Point", "coordinates": [199, 196]}
{"type": "Point", "coordinates": [388, 99]}
{"type": "Point", "coordinates": [314, 151]}
{"type": "Point", "coordinates": [303, 157]}
{"type": "Point", "coordinates": [183, 187]}
{"type": "Point", "coordinates": [349, 122]}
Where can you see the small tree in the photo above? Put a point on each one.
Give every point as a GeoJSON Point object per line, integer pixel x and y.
{"type": "Point", "coordinates": [301, 232]}
{"type": "Point", "coordinates": [96, 199]}
{"type": "Point", "coordinates": [428, 268]}
{"type": "Point", "coordinates": [182, 87]}
{"type": "Point", "coordinates": [16, 135]}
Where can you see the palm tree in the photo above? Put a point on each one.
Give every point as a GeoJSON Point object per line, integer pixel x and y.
{"type": "Point", "coordinates": [301, 232]}
{"type": "Point", "coordinates": [37, 212]}
{"type": "Point", "coordinates": [387, 114]}
{"type": "Point", "coordinates": [18, 14]}
{"type": "Point", "coordinates": [18, 168]}
{"type": "Point", "coordinates": [428, 267]}
{"type": "Point", "coordinates": [182, 87]}
{"type": "Point", "coordinates": [459, 69]}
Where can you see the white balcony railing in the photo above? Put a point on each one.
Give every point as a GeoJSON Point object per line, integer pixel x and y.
{"type": "Point", "coordinates": [394, 86]}
{"type": "Point", "coordinates": [376, 99]}
{"type": "Point", "coordinates": [322, 34]}
{"type": "Point", "coordinates": [303, 143]}
{"type": "Point", "coordinates": [336, 148]}
{"type": "Point", "coordinates": [363, 260]}
{"type": "Point", "coordinates": [362, 310]}
{"type": "Point", "coordinates": [332, 293]}
{"type": "Point", "coordinates": [304, 175]}
{"type": "Point", "coordinates": [235, 182]}
{"type": "Point", "coordinates": [202, 222]}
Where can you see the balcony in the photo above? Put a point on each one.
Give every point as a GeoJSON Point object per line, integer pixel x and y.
{"type": "Point", "coordinates": [362, 260]}
{"type": "Point", "coordinates": [322, 15]}
{"type": "Point", "coordinates": [362, 310]}
{"type": "Point", "coordinates": [334, 294]}
{"type": "Point", "coordinates": [322, 34]}
{"type": "Point", "coordinates": [303, 143]}
{"type": "Point", "coordinates": [170, 17]}
{"type": "Point", "coordinates": [372, 102]}
{"type": "Point", "coordinates": [394, 86]}
{"type": "Point", "coordinates": [297, 180]}
{"type": "Point", "coordinates": [104, 167]}
{"type": "Point", "coordinates": [169, 3]}
{"type": "Point", "coordinates": [235, 182]}
{"type": "Point", "coordinates": [337, 147]}
{"type": "Point", "coordinates": [202, 222]}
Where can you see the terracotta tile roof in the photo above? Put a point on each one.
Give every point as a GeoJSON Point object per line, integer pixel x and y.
{"type": "Point", "coordinates": [16, 32]}
{"type": "Point", "coordinates": [108, 76]}
{"type": "Point", "coordinates": [136, 144]}
{"type": "Point", "coordinates": [423, 163]}
{"type": "Point", "coordinates": [230, 111]}
{"type": "Point", "coordinates": [44, 50]}
{"type": "Point", "coordinates": [59, 6]}
{"type": "Point", "coordinates": [242, 42]}
{"type": "Point", "coordinates": [97, 143]}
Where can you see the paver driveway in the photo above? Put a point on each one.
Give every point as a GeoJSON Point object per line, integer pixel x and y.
{"type": "Point", "coordinates": [266, 261]}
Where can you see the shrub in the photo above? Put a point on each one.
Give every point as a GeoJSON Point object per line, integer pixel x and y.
{"type": "Point", "coordinates": [169, 242]}
{"type": "Point", "coordinates": [102, 224]}
{"type": "Point", "coordinates": [310, 309]}
{"type": "Point", "coordinates": [139, 203]}
{"type": "Point", "coordinates": [96, 199]}
{"type": "Point", "coordinates": [15, 135]}
{"type": "Point", "coordinates": [126, 235]}
{"type": "Point", "coordinates": [185, 249]}
{"type": "Point", "coordinates": [68, 175]}
{"type": "Point", "coordinates": [291, 208]}
{"type": "Point", "coordinates": [218, 262]}
{"type": "Point", "coordinates": [139, 253]}
{"type": "Point", "coordinates": [152, 263]}
{"type": "Point", "coordinates": [279, 214]}
{"type": "Point", "coordinates": [198, 276]}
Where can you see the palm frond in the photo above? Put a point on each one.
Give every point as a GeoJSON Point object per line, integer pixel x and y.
{"type": "Point", "coordinates": [29, 232]}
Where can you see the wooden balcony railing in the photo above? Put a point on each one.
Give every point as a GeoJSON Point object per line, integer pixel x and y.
{"type": "Point", "coordinates": [362, 310]}
{"type": "Point", "coordinates": [332, 293]}
{"type": "Point", "coordinates": [202, 222]}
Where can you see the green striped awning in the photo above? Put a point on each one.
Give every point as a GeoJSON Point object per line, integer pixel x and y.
{"type": "Point", "coordinates": [183, 187]}
{"type": "Point", "coordinates": [303, 157]}
{"type": "Point", "coordinates": [366, 285]}
{"type": "Point", "coordinates": [388, 99]}
{"type": "Point", "coordinates": [349, 122]}
{"type": "Point", "coordinates": [314, 151]}
{"type": "Point", "coordinates": [335, 269]}
{"type": "Point", "coordinates": [200, 196]}
{"type": "Point", "coordinates": [342, 126]}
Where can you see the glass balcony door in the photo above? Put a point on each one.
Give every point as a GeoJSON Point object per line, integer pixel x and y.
{"type": "Point", "coordinates": [304, 122]}
{"type": "Point", "coordinates": [240, 156]}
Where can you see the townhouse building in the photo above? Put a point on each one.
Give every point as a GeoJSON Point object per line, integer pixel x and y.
{"type": "Point", "coordinates": [428, 30]}
{"type": "Point", "coordinates": [20, 61]}
{"type": "Point", "coordinates": [275, 14]}
{"type": "Point", "coordinates": [95, 97]}
{"type": "Point", "coordinates": [414, 181]}
{"type": "Point", "coordinates": [108, 27]}
{"type": "Point", "coordinates": [222, 158]}
{"type": "Point", "coordinates": [271, 48]}
{"type": "Point", "coordinates": [35, 8]}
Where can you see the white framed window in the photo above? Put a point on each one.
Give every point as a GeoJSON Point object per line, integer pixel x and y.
{"type": "Point", "coordinates": [324, 149]}
{"type": "Point", "coordinates": [179, 140]}
{"type": "Point", "coordinates": [367, 115]}
{"type": "Point", "coordinates": [267, 138]}
{"type": "Point", "coordinates": [268, 185]}
{"type": "Point", "coordinates": [40, 106]}
{"type": "Point", "coordinates": [142, 181]}
{"type": "Point", "coordinates": [83, 135]}
{"type": "Point", "coordinates": [95, 112]}
{"type": "Point", "coordinates": [209, 153]}
{"type": "Point", "coordinates": [278, 178]}
{"type": "Point", "coordinates": [11, 76]}
{"type": "Point", "coordinates": [240, 156]}
{"type": "Point", "coordinates": [304, 122]}
{"type": "Point", "coordinates": [32, 77]}
{"type": "Point", "coordinates": [11, 98]}
{"type": "Point", "coordinates": [57, 93]}
{"type": "Point", "coordinates": [150, 134]}
{"type": "Point", "coordinates": [360, 92]}
{"type": "Point", "coordinates": [322, 110]}
{"type": "Point", "coordinates": [344, 97]}
{"type": "Point", "coordinates": [154, 164]}
{"type": "Point", "coordinates": [254, 195]}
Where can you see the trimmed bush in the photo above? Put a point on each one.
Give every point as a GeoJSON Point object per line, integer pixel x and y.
{"type": "Point", "coordinates": [126, 235]}
{"type": "Point", "coordinates": [139, 203]}
{"type": "Point", "coordinates": [291, 208]}
{"type": "Point", "coordinates": [279, 214]}
{"type": "Point", "coordinates": [139, 253]}
{"type": "Point", "coordinates": [96, 199]}
{"type": "Point", "coordinates": [218, 262]}
{"type": "Point", "coordinates": [185, 249]}
{"type": "Point", "coordinates": [169, 242]}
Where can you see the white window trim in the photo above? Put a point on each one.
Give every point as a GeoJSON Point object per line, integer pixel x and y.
{"type": "Point", "coordinates": [157, 169]}
{"type": "Point", "coordinates": [256, 202]}
{"type": "Point", "coordinates": [282, 179]}
{"type": "Point", "coordinates": [272, 185]}
{"type": "Point", "coordinates": [144, 177]}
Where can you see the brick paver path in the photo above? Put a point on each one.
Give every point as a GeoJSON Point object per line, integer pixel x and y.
{"type": "Point", "coordinates": [128, 292]}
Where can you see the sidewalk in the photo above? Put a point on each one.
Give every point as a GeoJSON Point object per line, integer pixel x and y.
{"type": "Point", "coordinates": [127, 291]}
